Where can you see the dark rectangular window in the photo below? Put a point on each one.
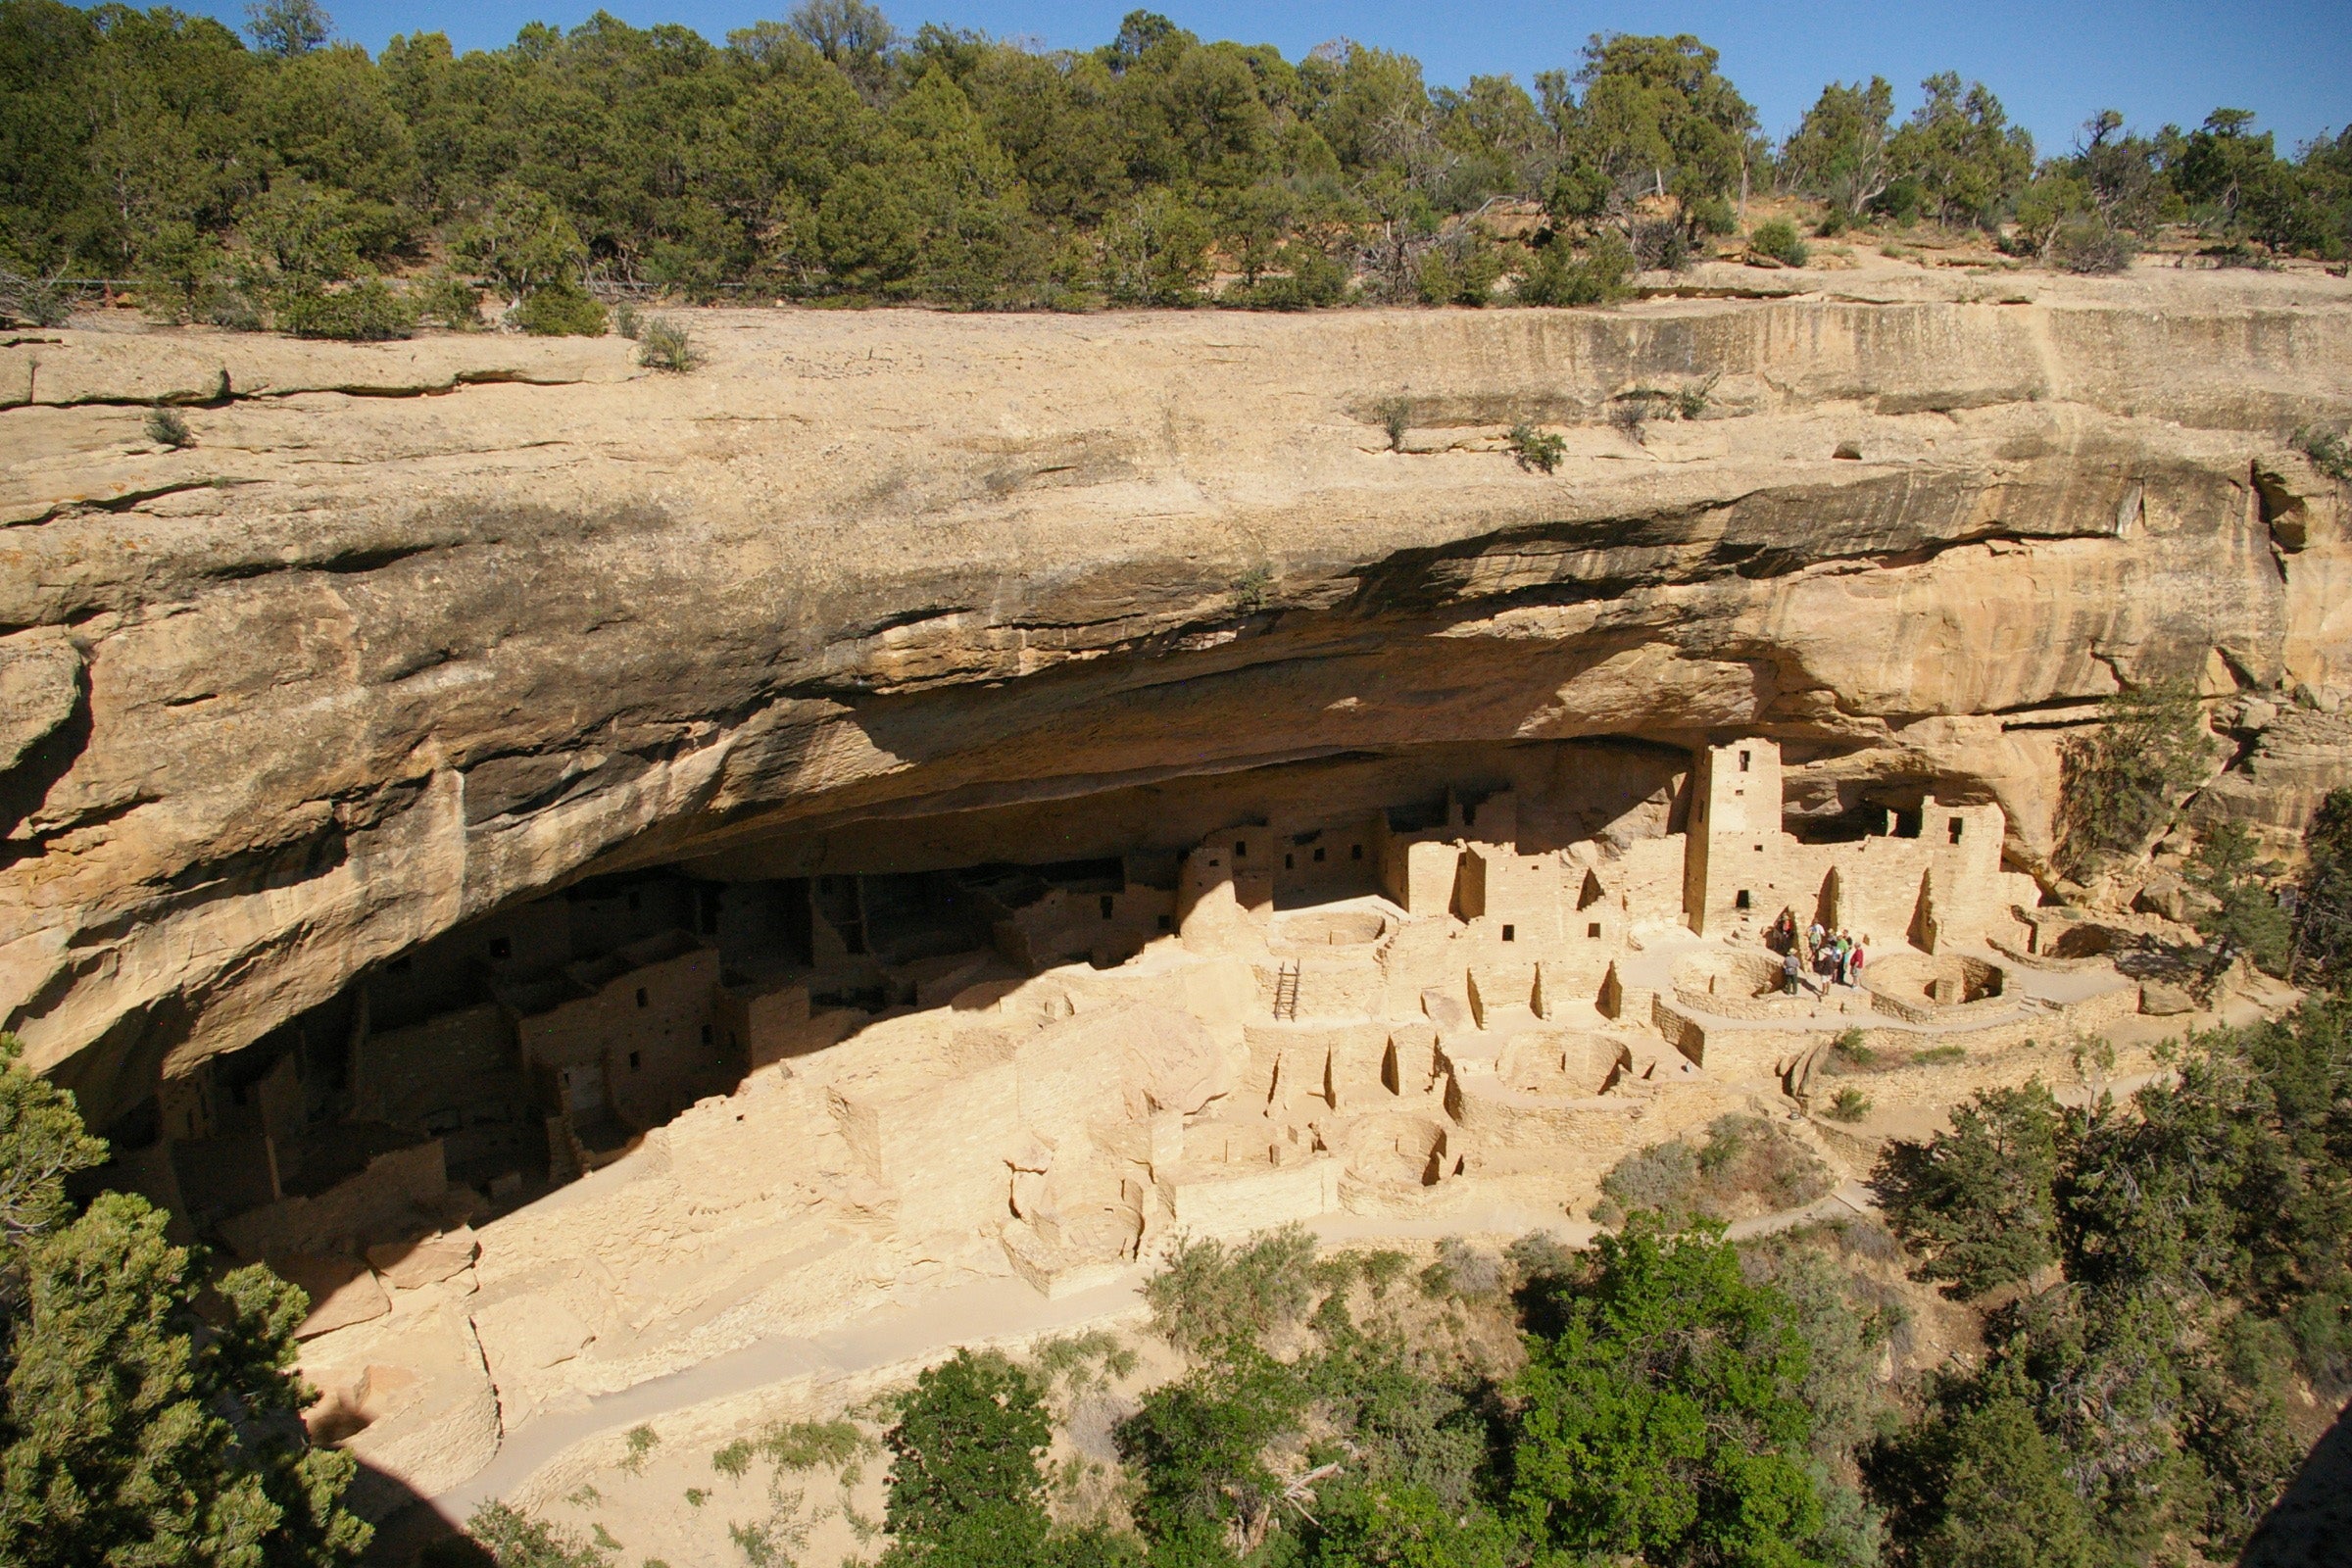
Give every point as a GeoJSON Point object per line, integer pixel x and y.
{"type": "Point", "coordinates": [644, 1002]}
{"type": "Point", "coordinates": [1741, 902]}
{"type": "Point", "coordinates": [1290, 862]}
{"type": "Point", "coordinates": [1241, 849]}
{"type": "Point", "coordinates": [1742, 761]}
{"type": "Point", "coordinates": [706, 1034]}
{"type": "Point", "coordinates": [1164, 922]}
{"type": "Point", "coordinates": [1510, 933]}
{"type": "Point", "coordinates": [1593, 930]}
{"type": "Point", "coordinates": [1105, 901]}
{"type": "Point", "coordinates": [1355, 852]}
{"type": "Point", "coordinates": [635, 1060]}
{"type": "Point", "coordinates": [1957, 824]}
{"type": "Point", "coordinates": [1318, 856]}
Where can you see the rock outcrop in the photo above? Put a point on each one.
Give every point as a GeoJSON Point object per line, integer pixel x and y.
{"type": "Point", "coordinates": [411, 631]}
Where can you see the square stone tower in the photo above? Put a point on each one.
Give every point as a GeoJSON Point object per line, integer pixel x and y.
{"type": "Point", "coordinates": [1732, 844]}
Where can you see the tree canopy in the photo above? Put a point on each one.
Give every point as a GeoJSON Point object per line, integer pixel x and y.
{"type": "Point", "coordinates": [831, 154]}
{"type": "Point", "coordinates": [138, 1424]}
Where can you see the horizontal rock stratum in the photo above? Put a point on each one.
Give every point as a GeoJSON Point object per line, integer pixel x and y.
{"type": "Point", "coordinates": [413, 630]}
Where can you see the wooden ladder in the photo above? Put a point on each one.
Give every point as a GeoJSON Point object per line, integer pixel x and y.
{"type": "Point", "coordinates": [1286, 992]}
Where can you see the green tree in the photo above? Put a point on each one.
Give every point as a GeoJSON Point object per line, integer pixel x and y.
{"type": "Point", "coordinates": [1402, 1527]}
{"type": "Point", "coordinates": [288, 26]}
{"type": "Point", "coordinates": [2324, 895]}
{"type": "Point", "coordinates": [1978, 1203]}
{"type": "Point", "coordinates": [1656, 118]}
{"type": "Point", "coordinates": [965, 1486]}
{"type": "Point", "coordinates": [2243, 916]}
{"type": "Point", "coordinates": [41, 1142]}
{"type": "Point", "coordinates": [1665, 1421]}
{"type": "Point", "coordinates": [2226, 169]}
{"type": "Point", "coordinates": [1199, 1445]}
{"type": "Point", "coordinates": [1963, 157]}
{"type": "Point", "coordinates": [1983, 1487]}
{"type": "Point", "coordinates": [525, 243]}
{"type": "Point", "coordinates": [854, 37]}
{"type": "Point", "coordinates": [2121, 783]}
{"type": "Point", "coordinates": [1156, 251]}
{"type": "Point", "coordinates": [131, 1431]}
{"type": "Point", "coordinates": [1837, 153]}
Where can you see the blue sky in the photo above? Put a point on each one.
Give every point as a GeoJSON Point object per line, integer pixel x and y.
{"type": "Point", "coordinates": [2052, 62]}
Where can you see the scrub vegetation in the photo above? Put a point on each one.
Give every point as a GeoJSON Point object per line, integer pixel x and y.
{"type": "Point", "coordinates": [286, 178]}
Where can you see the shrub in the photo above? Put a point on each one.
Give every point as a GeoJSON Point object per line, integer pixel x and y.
{"type": "Point", "coordinates": [1659, 1177]}
{"type": "Point", "coordinates": [1210, 1294]}
{"type": "Point", "coordinates": [513, 1539]}
{"type": "Point", "coordinates": [663, 344]}
{"type": "Point", "coordinates": [1089, 1360]}
{"type": "Point", "coordinates": [625, 319]}
{"type": "Point", "coordinates": [642, 1441]}
{"type": "Point", "coordinates": [1850, 1105]}
{"type": "Point", "coordinates": [1849, 1050]}
{"type": "Point", "coordinates": [2092, 245]}
{"type": "Point", "coordinates": [561, 308]}
{"type": "Point", "coordinates": [2328, 452]}
{"type": "Point", "coordinates": [235, 308]}
{"type": "Point", "coordinates": [453, 302]}
{"type": "Point", "coordinates": [168, 427]}
{"type": "Point", "coordinates": [366, 312]}
{"type": "Point", "coordinates": [1540, 1254]}
{"type": "Point", "coordinates": [1560, 276]}
{"type": "Point", "coordinates": [1313, 278]}
{"type": "Point", "coordinates": [1660, 245]}
{"type": "Point", "coordinates": [1463, 1271]}
{"type": "Point", "coordinates": [1396, 418]}
{"type": "Point", "coordinates": [1532, 449]}
{"type": "Point", "coordinates": [1778, 239]}
{"type": "Point", "coordinates": [33, 301]}
{"type": "Point", "coordinates": [811, 1444]}
{"type": "Point", "coordinates": [1750, 1162]}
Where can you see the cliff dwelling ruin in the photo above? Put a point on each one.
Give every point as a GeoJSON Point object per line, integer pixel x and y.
{"type": "Point", "coordinates": [1369, 981]}
{"type": "Point", "coordinates": [925, 812]}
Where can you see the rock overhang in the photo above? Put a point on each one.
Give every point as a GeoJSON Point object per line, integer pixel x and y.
{"type": "Point", "coordinates": [360, 665]}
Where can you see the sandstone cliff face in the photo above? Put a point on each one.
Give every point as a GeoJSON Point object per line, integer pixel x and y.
{"type": "Point", "coordinates": [413, 630]}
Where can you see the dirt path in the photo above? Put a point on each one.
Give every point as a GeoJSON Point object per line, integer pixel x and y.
{"type": "Point", "coordinates": [983, 1310]}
